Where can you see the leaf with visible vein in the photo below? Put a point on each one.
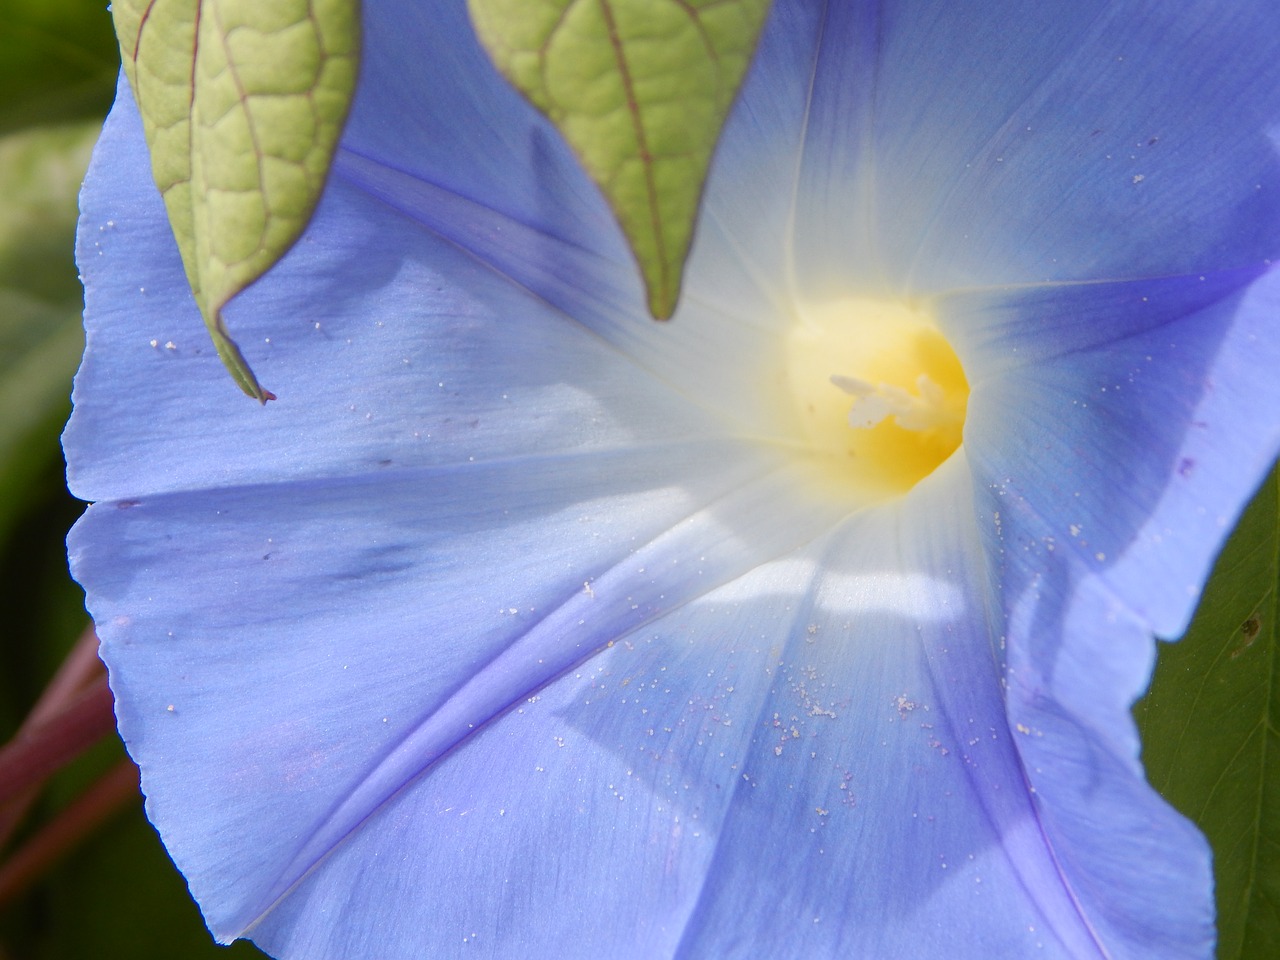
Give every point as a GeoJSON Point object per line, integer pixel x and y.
{"type": "Point", "coordinates": [242, 103]}
{"type": "Point", "coordinates": [1211, 729]}
{"type": "Point", "coordinates": [640, 89]}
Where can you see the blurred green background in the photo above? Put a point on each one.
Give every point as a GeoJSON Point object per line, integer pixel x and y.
{"type": "Point", "coordinates": [117, 895]}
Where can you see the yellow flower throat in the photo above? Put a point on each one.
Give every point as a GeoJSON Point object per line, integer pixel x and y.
{"type": "Point", "coordinates": [878, 392]}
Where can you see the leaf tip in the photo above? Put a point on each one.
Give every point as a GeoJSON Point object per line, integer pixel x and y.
{"type": "Point", "coordinates": [235, 362]}
{"type": "Point", "coordinates": [663, 293]}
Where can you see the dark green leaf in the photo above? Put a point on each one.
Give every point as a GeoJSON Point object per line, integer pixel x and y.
{"type": "Point", "coordinates": [58, 62]}
{"type": "Point", "coordinates": [1211, 730]}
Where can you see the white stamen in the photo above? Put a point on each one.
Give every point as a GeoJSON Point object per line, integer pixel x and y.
{"type": "Point", "coordinates": [873, 402]}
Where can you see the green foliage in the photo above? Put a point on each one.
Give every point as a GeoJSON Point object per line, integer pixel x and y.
{"type": "Point", "coordinates": [640, 90]}
{"type": "Point", "coordinates": [119, 896]}
{"type": "Point", "coordinates": [40, 335]}
{"type": "Point", "coordinates": [57, 71]}
{"type": "Point", "coordinates": [58, 62]}
{"type": "Point", "coordinates": [1211, 730]}
{"type": "Point", "coordinates": [243, 103]}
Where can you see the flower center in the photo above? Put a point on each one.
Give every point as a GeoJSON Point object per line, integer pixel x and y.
{"type": "Point", "coordinates": [878, 392]}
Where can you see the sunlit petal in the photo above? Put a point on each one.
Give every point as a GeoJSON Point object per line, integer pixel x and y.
{"type": "Point", "coordinates": [521, 625]}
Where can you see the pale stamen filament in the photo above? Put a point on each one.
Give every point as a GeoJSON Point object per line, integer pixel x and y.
{"type": "Point", "coordinates": [873, 402]}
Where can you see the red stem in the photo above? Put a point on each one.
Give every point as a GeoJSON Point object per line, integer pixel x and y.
{"type": "Point", "coordinates": [79, 668]}
{"type": "Point", "coordinates": [112, 792]}
{"type": "Point", "coordinates": [37, 752]}
{"type": "Point", "coordinates": [74, 673]}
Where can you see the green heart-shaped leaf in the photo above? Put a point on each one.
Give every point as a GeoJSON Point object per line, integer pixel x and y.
{"type": "Point", "coordinates": [243, 102]}
{"type": "Point", "coordinates": [640, 90]}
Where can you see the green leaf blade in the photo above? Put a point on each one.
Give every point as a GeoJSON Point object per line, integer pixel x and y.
{"type": "Point", "coordinates": [1211, 729]}
{"type": "Point", "coordinates": [640, 90]}
{"type": "Point", "coordinates": [243, 104]}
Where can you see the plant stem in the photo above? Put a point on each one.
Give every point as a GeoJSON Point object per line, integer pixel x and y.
{"type": "Point", "coordinates": [112, 792]}
{"type": "Point", "coordinates": [40, 750]}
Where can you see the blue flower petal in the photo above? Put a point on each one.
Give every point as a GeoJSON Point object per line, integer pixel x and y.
{"type": "Point", "coordinates": [638, 795]}
{"type": "Point", "coordinates": [310, 650]}
{"type": "Point", "coordinates": [1134, 419]}
{"type": "Point", "coordinates": [1107, 418]}
{"type": "Point", "coordinates": [1139, 872]}
{"type": "Point", "coordinates": [1121, 141]}
{"type": "Point", "coordinates": [430, 105]}
{"type": "Point", "coordinates": [885, 751]}
{"type": "Point", "coordinates": [513, 629]}
{"type": "Point", "coordinates": [348, 360]}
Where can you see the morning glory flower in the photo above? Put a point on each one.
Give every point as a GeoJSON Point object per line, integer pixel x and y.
{"type": "Point", "coordinates": [804, 625]}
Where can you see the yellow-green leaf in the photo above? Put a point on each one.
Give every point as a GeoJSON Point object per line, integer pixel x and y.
{"type": "Point", "coordinates": [243, 102]}
{"type": "Point", "coordinates": [640, 90]}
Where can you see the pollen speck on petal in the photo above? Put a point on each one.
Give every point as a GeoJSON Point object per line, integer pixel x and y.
{"type": "Point", "coordinates": [805, 624]}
